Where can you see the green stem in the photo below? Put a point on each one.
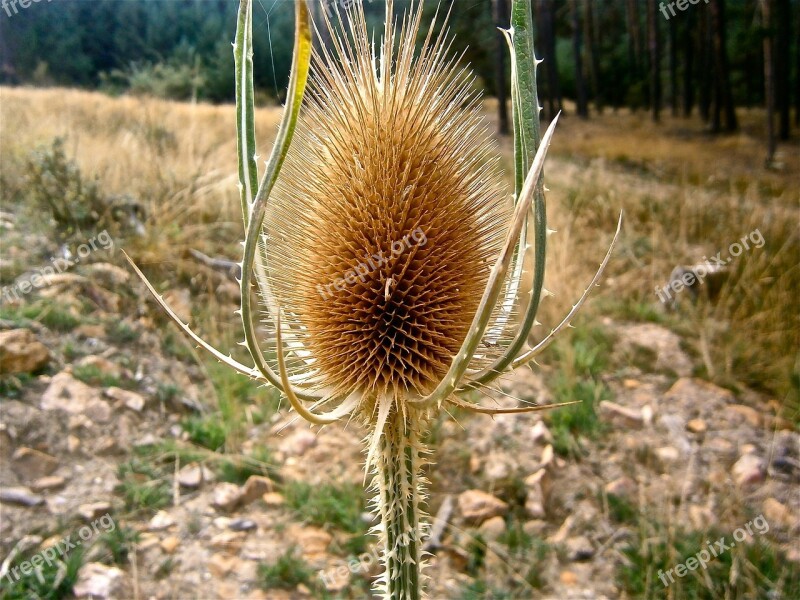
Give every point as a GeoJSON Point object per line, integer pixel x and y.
{"type": "Point", "coordinates": [399, 485]}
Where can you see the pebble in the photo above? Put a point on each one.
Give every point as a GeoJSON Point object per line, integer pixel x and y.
{"type": "Point", "coordinates": [169, 544]}
{"type": "Point", "coordinates": [51, 482]}
{"type": "Point", "coordinates": [697, 426]}
{"type": "Point", "coordinates": [622, 415]}
{"type": "Point", "coordinates": [226, 497]}
{"type": "Point", "coordinates": [30, 464]}
{"type": "Point", "coordinates": [193, 475]}
{"type": "Point", "coordinates": [255, 487]}
{"type": "Point", "coordinates": [477, 505]}
{"type": "Point", "coordinates": [20, 495]}
{"type": "Point", "coordinates": [493, 528]}
{"type": "Point", "coordinates": [97, 581]}
{"type": "Point", "coordinates": [749, 470]}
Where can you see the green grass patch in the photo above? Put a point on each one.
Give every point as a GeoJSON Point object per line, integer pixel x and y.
{"type": "Point", "coordinates": [142, 486]}
{"type": "Point", "coordinates": [327, 505]}
{"type": "Point", "coordinates": [48, 581]}
{"type": "Point", "coordinates": [92, 375]}
{"type": "Point", "coordinates": [287, 573]}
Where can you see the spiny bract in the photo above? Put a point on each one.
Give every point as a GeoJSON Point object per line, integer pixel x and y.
{"type": "Point", "coordinates": [387, 217]}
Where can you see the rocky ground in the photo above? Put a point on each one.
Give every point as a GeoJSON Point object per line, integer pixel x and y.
{"type": "Point", "coordinates": [93, 429]}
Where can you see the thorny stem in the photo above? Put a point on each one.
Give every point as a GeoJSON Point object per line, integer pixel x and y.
{"type": "Point", "coordinates": [399, 487]}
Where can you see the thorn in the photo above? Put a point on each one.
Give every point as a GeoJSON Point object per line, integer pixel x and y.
{"type": "Point", "coordinates": [551, 231]}
{"type": "Point", "coordinates": [545, 188]}
{"type": "Point", "coordinates": [546, 293]}
{"type": "Point", "coordinates": [536, 323]}
{"type": "Point", "coordinates": [238, 311]}
{"type": "Point", "coordinates": [255, 157]}
{"type": "Point", "coordinates": [242, 344]}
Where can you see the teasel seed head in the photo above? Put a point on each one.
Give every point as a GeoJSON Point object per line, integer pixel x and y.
{"type": "Point", "coordinates": [387, 217]}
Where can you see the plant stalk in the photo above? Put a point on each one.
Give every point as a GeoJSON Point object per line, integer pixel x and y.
{"type": "Point", "coordinates": [400, 494]}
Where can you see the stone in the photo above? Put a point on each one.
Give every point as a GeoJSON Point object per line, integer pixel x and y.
{"type": "Point", "coordinates": [94, 510]}
{"type": "Point", "coordinates": [21, 352]}
{"type": "Point", "coordinates": [663, 342]}
{"type": "Point", "coordinates": [132, 400]}
{"type": "Point", "coordinates": [255, 487]}
{"type": "Point", "coordinates": [73, 444]}
{"type": "Point", "coordinates": [668, 455]}
{"type": "Point", "coordinates": [622, 487]}
{"type": "Point", "coordinates": [535, 497]}
{"type": "Point", "coordinates": [226, 497]}
{"type": "Point", "coordinates": [160, 521]}
{"type": "Point", "coordinates": [477, 505]}
{"type": "Point", "coordinates": [697, 426]}
{"type": "Point", "coordinates": [242, 525]}
{"type": "Point", "coordinates": [579, 548]}
{"type": "Point", "coordinates": [493, 528]}
{"type": "Point", "coordinates": [541, 432]}
{"type": "Point", "coordinates": [749, 470]}
{"type": "Point", "coordinates": [621, 415]}
{"type": "Point", "coordinates": [273, 499]}
{"type": "Point", "coordinates": [228, 541]}
{"type": "Point", "coordinates": [51, 482]}
{"type": "Point", "coordinates": [19, 495]}
{"type": "Point", "coordinates": [30, 464]}
{"type": "Point", "coordinates": [170, 544]}
{"type": "Point", "coordinates": [219, 565]}
{"type": "Point", "coordinates": [312, 541]}
{"type": "Point", "coordinates": [76, 398]}
{"type": "Point", "coordinates": [193, 475]}
{"type": "Point", "coordinates": [298, 443]}
{"type": "Point", "coordinates": [568, 578]}
{"type": "Point", "coordinates": [746, 413]}
{"type": "Point", "coordinates": [777, 513]}
{"type": "Point", "coordinates": [97, 581]}
{"type": "Point", "coordinates": [535, 527]}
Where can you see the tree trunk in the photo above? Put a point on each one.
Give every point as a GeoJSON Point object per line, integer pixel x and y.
{"type": "Point", "coordinates": [547, 24]}
{"type": "Point", "coordinates": [783, 68]}
{"type": "Point", "coordinates": [501, 17]}
{"type": "Point", "coordinates": [704, 45]}
{"type": "Point", "coordinates": [654, 40]}
{"type": "Point", "coordinates": [577, 43]}
{"type": "Point", "coordinates": [724, 95]}
{"type": "Point", "coordinates": [591, 48]}
{"type": "Point", "coordinates": [688, 64]}
{"type": "Point", "coordinates": [769, 77]}
{"type": "Point", "coordinates": [634, 44]}
{"type": "Point", "coordinates": [673, 66]}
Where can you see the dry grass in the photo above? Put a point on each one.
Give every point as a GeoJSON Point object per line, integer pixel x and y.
{"type": "Point", "coordinates": [686, 195]}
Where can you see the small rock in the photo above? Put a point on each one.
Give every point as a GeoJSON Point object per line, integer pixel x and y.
{"type": "Point", "coordinates": [219, 565]}
{"type": "Point", "coordinates": [749, 470]}
{"type": "Point", "coordinates": [535, 527]}
{"type": "Point", "coordinates": [161, 520]}
{"type": "Point", "coordinates": [130, 399]}
{"type": "Point", "coordinates": [778, 513]}
{"type": "Point", "coordinates": [20, 495]}
{"type": "Point", "coordinates": [541, 432]}
{"type": "Point", "coordinates": [579, 548]}
{"type": "Point", "coordinates": [94, 510]}
{"type": "Point", "coordinates": [30, 464]}
{"type": "Point", "coordinates": [535, 498]}
{"type": "Point", "coordinates": [75, 397]}
{"type": "Point", "coordinates": [298, 443]}
{"type": "Point", "coordinates": [170, 544]}
{"type": "Point", "coordinates": [273, 499]}
{"type": "Point", "coordinates": [228, 541]}
{"type": "Point", "coordinates": [622, 415]}
{"type": "Point", "coordinates": [108, 445]}
{"type": "Point", "coordinates": [751, 415]}
{"type": "Point", "coordinates": [668, 455]}
{"type": "Point", "coordinates": [697, 426]}
{"type": "Point", "coordinates": [73, 444]}
{"type": "Point", "coordinates": [622, 487]}
{"type": "Point", "coordinates": [52, 482]}
{"type": "Point", "coordinates": [477, 505]}
{"type": "Point", "coordinates": [748, 449]}
{"type": "Point", "coordinates": [108, 274]}
{"type": "Point", "coordinates": [242, 525]}
{"type": "Point", "coordinates": [97, 581]}
{"type": "Point", "coordinates": [255, 487]}
{"type": "Point", "coordinates": [493, 528]}
{"type": "Point", "coordinates": [568, 578]}
{"type": "Point", "coordinates": [21, 352]}
{"type": "Point", "coordinates": [226, 497]}
{"type": "Point", "coordinates": [193, 475]}
{"type": "Point", "coordinates": [313, 541]}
